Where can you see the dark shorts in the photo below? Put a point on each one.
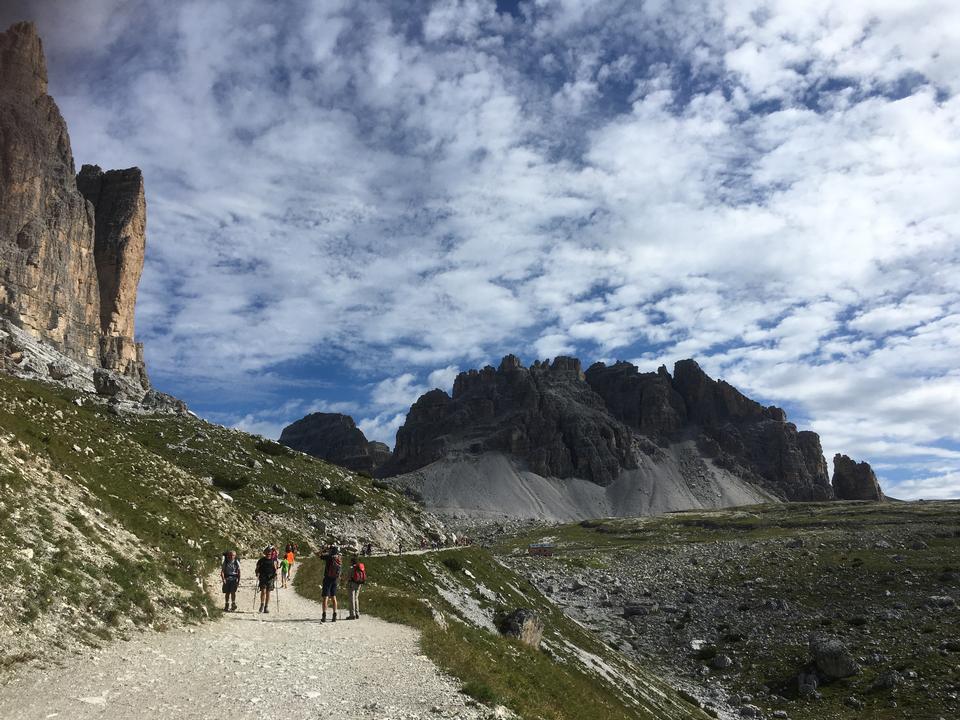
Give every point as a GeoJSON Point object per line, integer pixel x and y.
{"type": "Point", "coordinates": [230, 585]}
{"type": "Point", "coordinates": [329, 587]}
{"type": "Point", "coordinates": [267, 583]}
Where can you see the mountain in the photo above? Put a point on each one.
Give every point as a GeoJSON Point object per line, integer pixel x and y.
{"type": "Point", "coordinates": [335, 438]}
{"type": "Point", "coordinates": [71, 247]}
{"type": "Point", "coordinates": [554, 441]}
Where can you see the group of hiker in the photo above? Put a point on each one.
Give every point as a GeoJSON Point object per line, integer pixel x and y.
{"type": "Point", "coordinates": [273, 563]}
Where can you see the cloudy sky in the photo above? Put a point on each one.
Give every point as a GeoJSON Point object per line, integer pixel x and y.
{"type": "Point", "coordinates": [351, 201]}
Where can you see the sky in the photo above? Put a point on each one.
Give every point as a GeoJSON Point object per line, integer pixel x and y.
{"type": "Point", "coordinates": [351, 201]}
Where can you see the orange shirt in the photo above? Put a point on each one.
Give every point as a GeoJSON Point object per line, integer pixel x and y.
{"type": "Point", "coordinates": [290, 557]}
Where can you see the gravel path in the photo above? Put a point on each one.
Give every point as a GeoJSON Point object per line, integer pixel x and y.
{"type": "Point", "coordinates": [284, 666]}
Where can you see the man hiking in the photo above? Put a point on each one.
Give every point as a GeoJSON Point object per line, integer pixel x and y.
{"type": "Point", "coordinates": [230, 576]}
{"type": "Point", "coordinates": [358, 576]}
{"type": "Point", "coordinates": [331, 574]}
{"type": "Point", "coordinates": [266, 578]}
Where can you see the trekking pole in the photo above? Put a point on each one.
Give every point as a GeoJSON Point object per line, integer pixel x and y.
{"type": "Point", "coordinates": [252, 607]}
{"type": "Point", "coordinates": [278, 601]}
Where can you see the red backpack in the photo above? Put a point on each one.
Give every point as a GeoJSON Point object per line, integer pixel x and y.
{"type": "Point", "coordinates": [359, 575]}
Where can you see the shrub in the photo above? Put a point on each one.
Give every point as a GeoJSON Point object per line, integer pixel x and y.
{"type": "Point", "coordinates": [479, 691]}
{"type": "Point", "coordinates": [453, 564]}
{"type": "Point", "coordinates": [270, 447]}
{"type": "Point", "coordinates": [381, 485]}
{"type": "Point", "coordinates": [230, 482]}
{"type": "Point", "coordinates": [339, 495]}
{"type": "Point", "coordinates": [306, 494]}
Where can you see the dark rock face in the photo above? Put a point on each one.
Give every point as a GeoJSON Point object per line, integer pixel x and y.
{"type": "Point", "coordinates": [545, 415]}
{"type": "Point", "coordinates": [754, 441]}
{"type": "Point", "coordinates": [564, 423]}
{"type": "Point", "coordinates": [69, 268]}
{"type": "Point", "coordinates": [855, 481]}
{"type": "Point", "coordinates": [335, 438]}
{"type": "Point", "coordinates": [523, 624]}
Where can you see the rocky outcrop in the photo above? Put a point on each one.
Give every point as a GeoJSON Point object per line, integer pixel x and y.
{"type": "Point", "coordinates": [855, 481]}
{"type": "Point", "coordinates": [545, 415]}
{"type": "Point", "coordinates": [335, 438]}
{"type": "Point", "coordinates": [69, 263]}
{"type": "Point", "coordinates": [120, 218]}
{"type": "Point", "coordinates": [754, 441]}
{"type": "Point", "coordinates": [557, 421]}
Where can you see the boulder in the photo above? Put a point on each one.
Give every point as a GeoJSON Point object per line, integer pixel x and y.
{"type": "Point", "coordinates": [524, 624]}
{"type": "Point", "coordinates": [832, 657]}
{"type": "Point", "coordinates": [855, 481]}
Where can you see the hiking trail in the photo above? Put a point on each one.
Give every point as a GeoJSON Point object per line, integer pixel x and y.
{"type": "Point", "coordinates": [286, 664]}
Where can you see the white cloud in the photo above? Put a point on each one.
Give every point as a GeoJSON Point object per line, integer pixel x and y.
{"type": "Point", "coordinates": [767, 185]}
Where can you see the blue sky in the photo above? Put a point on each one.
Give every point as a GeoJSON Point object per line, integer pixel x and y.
{"type": "Point", "coordinates": [351, 201]}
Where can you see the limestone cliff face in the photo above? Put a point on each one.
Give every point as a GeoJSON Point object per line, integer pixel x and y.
{"type": "Point", "coordinates": [69, 268]}
{"type": "Point", "coordinates": [120, 222]}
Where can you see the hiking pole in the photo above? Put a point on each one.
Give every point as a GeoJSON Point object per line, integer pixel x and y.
{"type": "Point", "coordinates": [278, 601]}
{"type": "Point", "coordinates": [254, 596]}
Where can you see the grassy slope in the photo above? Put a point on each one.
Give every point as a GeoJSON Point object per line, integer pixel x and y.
{"type": "Point", "coordinates": [123, 522]}
{"type": "Point", "coordinates": [572, 677]}
{"type": "Point", "coordinates": [858, 561]}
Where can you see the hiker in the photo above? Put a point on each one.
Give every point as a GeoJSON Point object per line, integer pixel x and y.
{"type": "Point", "coordinates": [358, 576]}
{"type": "Point", "coordinates": [284, 572]}
{"type": "Point", "coordinates": [331, 574]}
{"type": "Point", "coordinates": [291, 556]}
{"type": "Point", "coordinates": [369, 548]}
{"type": "Point", "coordinates": [230, 576]}
{"type": "Point", "coordinates": [266, 573]}
{"type": "Point", "coordinates": [400, 547]}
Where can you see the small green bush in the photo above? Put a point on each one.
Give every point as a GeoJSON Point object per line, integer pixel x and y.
{"type": "Point", "coordinates": [481, 692]}
{"type": "Point", "coordinates": [230, 482]}
{"type": "Point", "coordinates": [381, 485]}
{"type": "Point", "coordinates": [270, 447]}
{"type": "Point", "coordinates": [339, 495]}
{"type": "Point", "coordinates": [306, 494]}
{"type": "Point", "coordinates": [453, 564]}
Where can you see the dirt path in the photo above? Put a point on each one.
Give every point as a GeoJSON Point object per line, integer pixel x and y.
{"type": "Point", "coordinates": [281, 666]}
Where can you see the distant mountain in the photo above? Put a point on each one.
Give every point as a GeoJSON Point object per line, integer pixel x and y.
{"type": "Point", "coordinates": [554, 441]}
{"type": "Point", "coordinates": [335, 438]}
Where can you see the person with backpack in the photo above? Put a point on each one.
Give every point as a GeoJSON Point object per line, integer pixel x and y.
{"type": "Point", "coordinates": [230, 576]}
{"type": "Point", "coordinates": [284, 572]}
{"type": "Point", "coordinates": [331, 575]}
{"type": "Point", "coordinates": [358, 576]}
{"type": "Point", "coordinates": [266, 573]}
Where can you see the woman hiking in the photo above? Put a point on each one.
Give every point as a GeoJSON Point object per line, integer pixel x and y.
{"type": "Point", "coordinates": [358, 576]}
{"type": "Point", "coordinates": [230, 576]}
{"type": "Point", "coordinates": [266, 573]}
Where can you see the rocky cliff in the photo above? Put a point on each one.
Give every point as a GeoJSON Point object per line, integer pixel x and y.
{"type": "Point", "coordinates": [617, 428]}
{"type": "Point", "coordinates": [71, 249]}
{"type": "Point", "coordinates": [335, 438]}
{"type": "Point", "coordinates": [855, 481]}
{"type": "Point", "coordinates": [545, 415]}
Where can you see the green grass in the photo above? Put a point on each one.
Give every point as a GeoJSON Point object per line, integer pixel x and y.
{"type": "Point", "coordinates": [496, 669]}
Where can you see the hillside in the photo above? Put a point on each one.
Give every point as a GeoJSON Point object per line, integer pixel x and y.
{"type": "Point", "coordinates": [731, 604]}
{"type": "Point", "coordinates": [110, 521]}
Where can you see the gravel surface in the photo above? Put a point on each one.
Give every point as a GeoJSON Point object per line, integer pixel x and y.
{"type": "Point", "coordinates": [282, 665]}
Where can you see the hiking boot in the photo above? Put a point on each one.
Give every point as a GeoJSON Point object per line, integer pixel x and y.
{"type": "Point", "coordinates": [323, 618]}
{"type": "Point", "coordinates": [266, 609]}
{"type": "Point", "coordinates": [226, 607]}
{"type": "Point", "coordinates": [334, 618]}
{"type": "Point", "coordinates": [233, 608]}
{"type": "Point", "coordinates": [261, 609]}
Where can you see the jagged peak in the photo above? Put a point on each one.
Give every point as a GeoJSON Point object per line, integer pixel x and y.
{"type": "Point", "coordinates": [22, 63]}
